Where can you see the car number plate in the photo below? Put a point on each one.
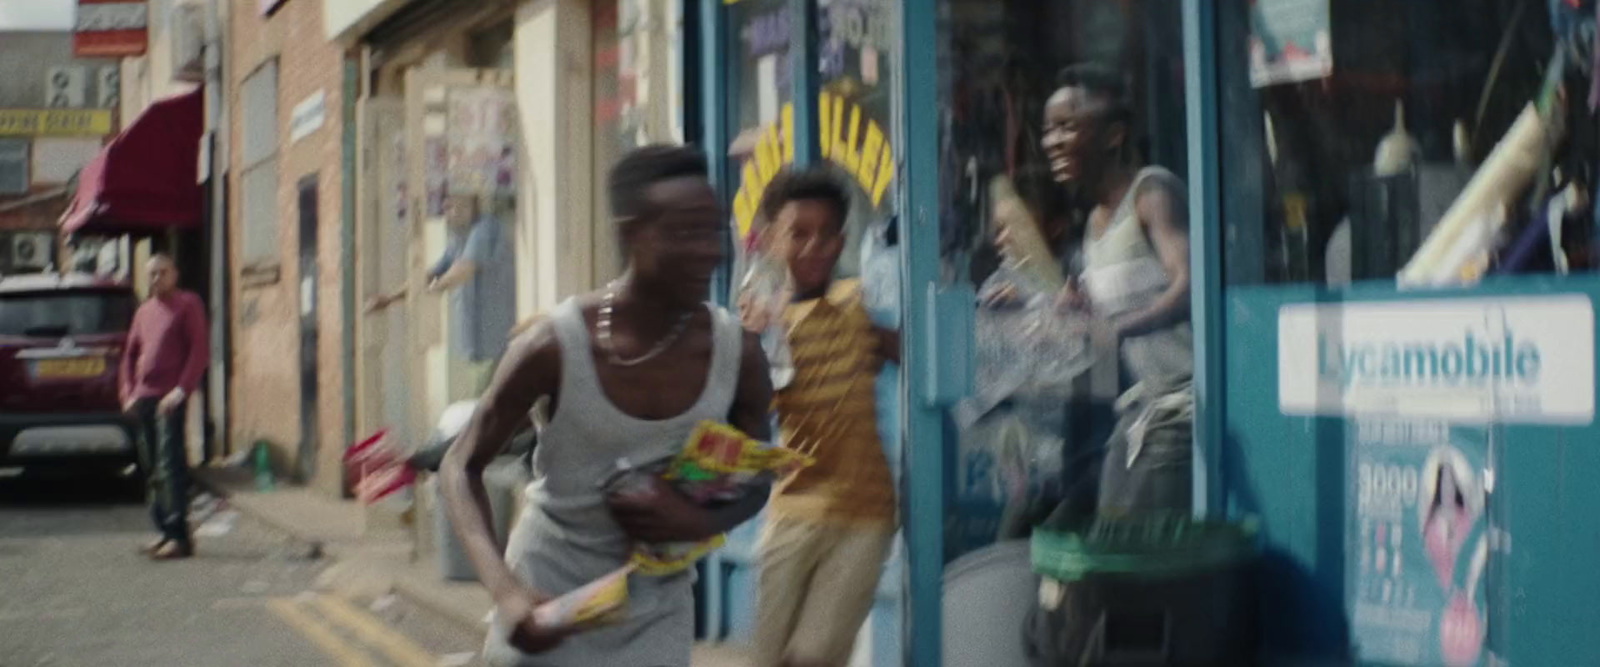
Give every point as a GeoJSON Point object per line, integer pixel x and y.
{"type": "Point", "coordinates": [82, 367]}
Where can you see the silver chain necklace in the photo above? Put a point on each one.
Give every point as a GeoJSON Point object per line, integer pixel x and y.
{"type": "Point", "coordinates": [603, 327]}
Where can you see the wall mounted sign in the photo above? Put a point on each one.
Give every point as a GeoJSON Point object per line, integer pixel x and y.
{"type": "Point", "coordinates": [110, 29]}
{"type": "Point", "coordinates": [1508, 360]}
{"type": "Point", "coordinates": [55, 122]}
{"type": "Point", "coordinates": [308, 116]}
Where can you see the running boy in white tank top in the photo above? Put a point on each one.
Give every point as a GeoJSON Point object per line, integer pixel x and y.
{"type": "Point", "coordinates": [629, 371]}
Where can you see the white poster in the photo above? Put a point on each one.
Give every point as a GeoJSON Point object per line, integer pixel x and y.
{"type": "Point", "coordinates": [1525, 359]}
{"type": "Point", "coordinates": [482, 139]}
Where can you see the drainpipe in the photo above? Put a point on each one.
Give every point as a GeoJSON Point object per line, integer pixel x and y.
{"type": "Point", "coordinates": [217, 226]}
{"type": "Point", "coordinates": [353, 69]}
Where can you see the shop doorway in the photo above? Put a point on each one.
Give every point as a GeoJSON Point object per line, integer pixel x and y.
{"type": "Point", "coordinates": [386, 368]}
{"type": "Point", "coordinates": [306, 458]}
{"type": "Point", "coordinates": [461, 125]}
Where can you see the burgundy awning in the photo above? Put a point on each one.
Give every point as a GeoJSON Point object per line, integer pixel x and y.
{"type": "Point", "coordinates": [145, 180]}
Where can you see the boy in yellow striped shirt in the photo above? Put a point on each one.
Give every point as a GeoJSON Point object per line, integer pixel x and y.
{"type": "Point", "coordinates": [829, 526]}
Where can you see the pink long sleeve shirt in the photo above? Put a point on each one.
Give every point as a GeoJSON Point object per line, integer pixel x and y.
{"type": "Point", "coordinates": [168, 347]}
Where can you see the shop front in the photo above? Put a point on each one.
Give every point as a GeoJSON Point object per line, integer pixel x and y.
{"type": "Point", "coordinates": [520, 108]}
{"type": "Point", "coordinates": [1385, 217]}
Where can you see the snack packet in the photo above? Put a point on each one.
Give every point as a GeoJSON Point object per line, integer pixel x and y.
{"type": "Point", "coordinates": [597, 603]}
{"type": "Point", "coordinates": [718, 464]}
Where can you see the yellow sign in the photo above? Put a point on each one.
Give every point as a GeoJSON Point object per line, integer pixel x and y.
{"type": "Point", "coordinates": [55, 122]}
{"type": "Point", "coordinates": [864, 153]}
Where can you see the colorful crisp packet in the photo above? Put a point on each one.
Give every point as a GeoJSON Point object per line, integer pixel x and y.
{"type": "Point", "coordinates": [599, 602]}
{"type": "Point", "coordinates": [718, 464]}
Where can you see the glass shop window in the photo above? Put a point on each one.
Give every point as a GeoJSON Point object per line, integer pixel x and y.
{"type": "Point", "coordinates": [1063, 157]}
{"type": "Point", "coordinates": [1429, 142]}
{"type": "Point", "coordinates": [855, 111]}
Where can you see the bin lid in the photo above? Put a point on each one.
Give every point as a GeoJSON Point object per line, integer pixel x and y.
{"type": "Point", "coordinates": [1159, 545]}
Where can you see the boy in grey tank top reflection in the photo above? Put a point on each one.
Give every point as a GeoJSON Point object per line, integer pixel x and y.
{"type": "Point", "coordinates": [1135, 280]}
{"type": "Point", "coordinates": [629, 371]}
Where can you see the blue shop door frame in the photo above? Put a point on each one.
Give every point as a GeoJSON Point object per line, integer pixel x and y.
{"type": "Point", "coordinates": [924, 504]}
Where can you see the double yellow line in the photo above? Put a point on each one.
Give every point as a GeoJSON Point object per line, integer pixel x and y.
{"type": "Point", "coordinates": [312, 615]}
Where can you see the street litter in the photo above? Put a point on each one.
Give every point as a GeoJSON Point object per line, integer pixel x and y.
{"type": "Point", "coordinates": [456, 659]}
{"type": "Point", "coordinates": [382, 604]}
{"type": "Point", "coordinates": [218, 524]}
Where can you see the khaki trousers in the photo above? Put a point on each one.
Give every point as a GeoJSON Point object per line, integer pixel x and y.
{"type": "Point", "coordinates": [816, 588]}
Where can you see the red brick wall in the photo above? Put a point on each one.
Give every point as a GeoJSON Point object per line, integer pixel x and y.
{"type": "Point", "coordinates": [264, 394]}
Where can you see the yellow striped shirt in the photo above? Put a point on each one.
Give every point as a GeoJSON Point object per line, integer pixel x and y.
{"type": "Point", "coordinates": [829, 412]}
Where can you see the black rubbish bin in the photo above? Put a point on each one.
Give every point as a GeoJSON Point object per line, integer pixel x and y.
{"type": "Point", "coordinates": [1166, 591]}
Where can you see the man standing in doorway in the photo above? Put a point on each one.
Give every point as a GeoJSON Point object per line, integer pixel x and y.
{"type": "Point", "coordinates": [168, 349]}
{"type": "Point", "coordinates": [629, 372]}
{"type": "Point", "coordinates": [479, 273]}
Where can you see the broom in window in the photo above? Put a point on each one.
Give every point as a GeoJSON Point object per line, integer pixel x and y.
{"type": "Point", "coordinates": [1023, 245]}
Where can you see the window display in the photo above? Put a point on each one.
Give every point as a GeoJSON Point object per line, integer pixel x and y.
{"type": "Point", "coordinates": [1063, 200]}
{"type": "Point", "coordinates": [1434, 143]}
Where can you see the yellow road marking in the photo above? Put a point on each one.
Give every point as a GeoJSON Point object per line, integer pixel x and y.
{"type": "Point", "coordinates": [398, 647]}
{"type": "Point", "coordinates": [330, 643]}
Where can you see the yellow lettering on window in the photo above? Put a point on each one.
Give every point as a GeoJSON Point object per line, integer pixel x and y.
{"type": "Point", "coordinates": [871, 152]}
{"type": "Point", "coordinates": [886, 168]}
{"type": "Point", "coordinates": [743, 214]}
{"type": "Point", "coordinates": [778, 151]}
{"type": "Point", "coordinates": [824, 125]}
{"type": "Point", "coordinates": [837, 148]}
{"type": "Point", "coordinates": [852, 159]}
{"type": "Point", "coordinates": [788, 133]}
{"type": "Point", "coordinates": [763, 158]}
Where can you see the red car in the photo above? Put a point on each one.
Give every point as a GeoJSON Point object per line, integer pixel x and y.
{"type": "Point", "coordinates": [61, 338]}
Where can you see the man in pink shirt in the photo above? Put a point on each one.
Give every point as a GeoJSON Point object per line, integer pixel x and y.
{"type": "Point", "coordinates": [167, 351]}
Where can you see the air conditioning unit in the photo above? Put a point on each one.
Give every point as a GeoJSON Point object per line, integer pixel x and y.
{"type": "Point", "coordinates": [64, 87]}
{"type": "Point", "coordinates": [188, 25]}
{"type": "Point", "coordinates": [31, 250]}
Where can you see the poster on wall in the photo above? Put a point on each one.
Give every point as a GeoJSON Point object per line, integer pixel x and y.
{"type": "Point", "coordinates": [435, 163]}
{"type": "Point", "coordinates": [1419, 540]}
{"type": "Point", "coordinates": [482, 150]}
{"type": "Point", "coordinates": [1290, 41]}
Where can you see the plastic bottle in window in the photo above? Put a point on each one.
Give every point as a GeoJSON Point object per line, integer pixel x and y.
{"type": "Point", "coordinates": [766, 287]}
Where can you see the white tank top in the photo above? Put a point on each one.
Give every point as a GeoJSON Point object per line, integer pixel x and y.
{"type": "Point", "coordinates": [1124, 274]}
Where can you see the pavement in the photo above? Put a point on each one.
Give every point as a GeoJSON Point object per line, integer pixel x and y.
{"type": "Point", "coordinates": [374, 552]}
{"type": "Point", "coordinates": [77, 593]}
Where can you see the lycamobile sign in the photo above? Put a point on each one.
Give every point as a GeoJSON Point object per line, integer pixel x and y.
{"type": "Point", "coordinates": [1510, 359]}
{"type": "Point", "coordinates": [1475, 358]}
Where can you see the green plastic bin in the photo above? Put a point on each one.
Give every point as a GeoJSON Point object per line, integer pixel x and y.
{"type": "Point", "coordinates": [1154, 591]}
